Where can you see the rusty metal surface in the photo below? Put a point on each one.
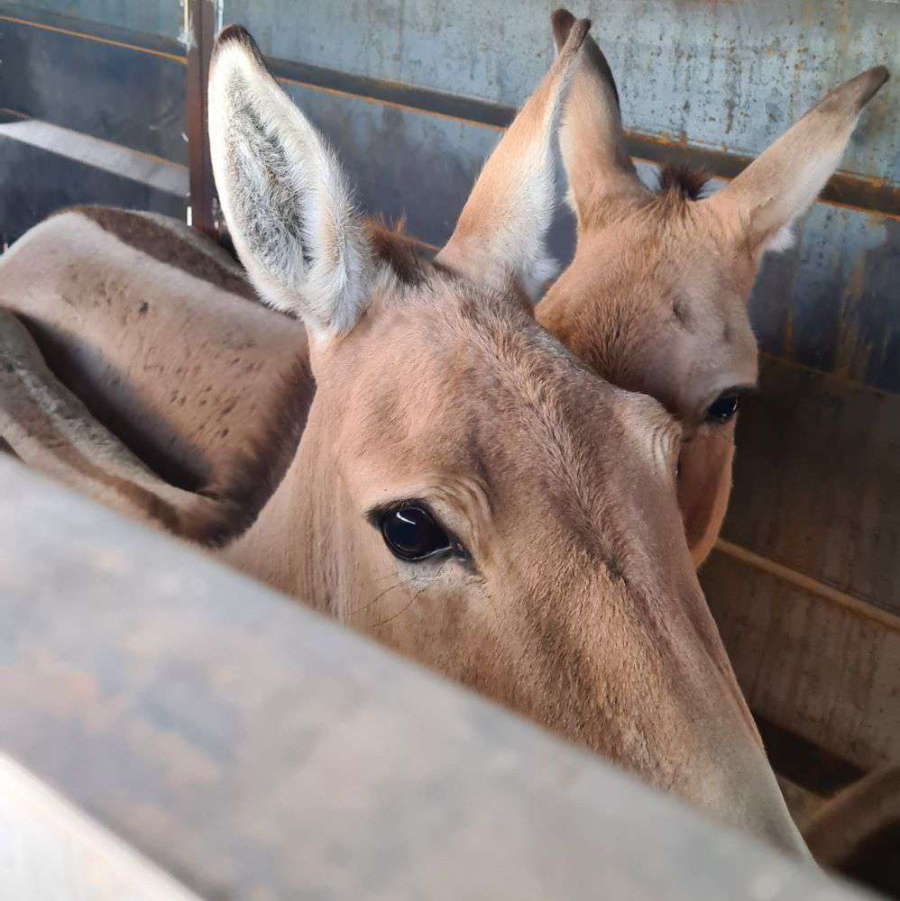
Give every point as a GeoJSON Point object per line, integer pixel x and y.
{"type": "Point", "coordinates": [817, 481]}
{"type": "Point", "coordinates": [254, 749]}
{"type": "Point", "coordinates": [845, 188]}
{"type": "Point", "coordinates": [819, 669]}
{"type": "Point", "coordinates": [721, 75]}
{"type": "Point", "coordinates": [829, 303]}
{"type": "Point", "coordinates": [201, 16]}
{"type": "Point", "coordinates": [816, 490]}
{"type": "Point", "coordinates": [160, 17]}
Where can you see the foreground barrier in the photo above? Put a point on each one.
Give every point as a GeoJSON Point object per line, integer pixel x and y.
{"type": "Point", "coordinates": [253, 749]}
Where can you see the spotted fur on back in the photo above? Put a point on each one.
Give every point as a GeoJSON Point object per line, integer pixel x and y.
{"type": "Point", "coordinates": [144, 233]}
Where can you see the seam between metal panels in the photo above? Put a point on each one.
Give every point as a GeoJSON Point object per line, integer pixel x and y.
{"type": "Point", "coordinates": [851, 603]}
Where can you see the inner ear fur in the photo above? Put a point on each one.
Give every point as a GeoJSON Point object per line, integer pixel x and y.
{"type": "Point", "coordinates": [501, 233]}
{"type": "Point", "coordinates": [286, 201]}
{"type": "Point", "coordinates": [784, 180]}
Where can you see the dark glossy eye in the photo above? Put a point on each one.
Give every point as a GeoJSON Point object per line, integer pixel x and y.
{"type": "Point", "coordinates": [723, 408]}
{"type": "Point", "coordinates": [412, 533]}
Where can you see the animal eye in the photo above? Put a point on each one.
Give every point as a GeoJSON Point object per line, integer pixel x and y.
{"type": "Point", "coordinates": [412, 533]}
{"type": "Point", "coordinates": [723, 408]}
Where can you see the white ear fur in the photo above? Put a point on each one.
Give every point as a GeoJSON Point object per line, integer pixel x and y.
{"type": "Point", "coordinates": [287, 204]}
{"type": "Point", "coordinates": [784, 181]}
{"type": "Point", "coordinates": [591, 137]}
{"type": "Point", "coordinates": [502, 230]}
{"type": "Point", "coordinates": [782, 240]}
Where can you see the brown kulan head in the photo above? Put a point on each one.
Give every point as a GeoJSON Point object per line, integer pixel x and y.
{"type": "Point", "coordinates": [466, 489]}
{"type": "Point", "coordinates": [655, 299]}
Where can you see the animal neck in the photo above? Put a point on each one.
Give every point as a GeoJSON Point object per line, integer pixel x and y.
{"type": "Point", "coordinates": [291, 546]}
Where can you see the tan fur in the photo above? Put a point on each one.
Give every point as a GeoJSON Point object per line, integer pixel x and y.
{"type": "Point", "coordinates": [655, 298]}
{"type": "Point", "coordinates": [562, 487]}
{"type": "Point", "coordinates": [577, 603]}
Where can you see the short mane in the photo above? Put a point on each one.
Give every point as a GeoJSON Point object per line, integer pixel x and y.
{"type": "Point", "coordinates": [682, 180]}
{"type": "Point", "coordinates": [392, 246]}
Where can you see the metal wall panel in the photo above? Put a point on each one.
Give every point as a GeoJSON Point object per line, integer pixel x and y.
{"type": "Point", "coordinates": [822, 670]}
{"type": "Point", "coordinates": [160, 17]}
{"type": "Point", "coordinates": [38, 178]}
{"type": "Point", "coordinates": [831, 301]}
{"type": "Point", "coordinates": [817, 481]}
{"type": "Point", "coordinates": [725, 75]}
{"type": "Point", "coordinates": [95, 81]}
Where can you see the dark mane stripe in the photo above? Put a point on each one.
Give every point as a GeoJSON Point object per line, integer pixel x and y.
{"type": "Point", "coordinates": [392, 247]}
{"type": "Point", "coordinates": [682, 180]}
{"type": "Point", "coordinates": [167, 247]}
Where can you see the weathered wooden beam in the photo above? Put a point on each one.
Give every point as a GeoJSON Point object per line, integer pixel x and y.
{"type": "Point", "coordinates": [255, 749]}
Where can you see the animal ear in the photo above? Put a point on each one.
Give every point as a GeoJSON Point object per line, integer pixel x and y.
{"type": "Point", "coordinates": [591, 138]}
{"type": "Point", "coordinates": [285, 198]}
{"type": "Point", "coordinates": [781, 183]}
{"type": "Point", "coordinates": [501, 232]}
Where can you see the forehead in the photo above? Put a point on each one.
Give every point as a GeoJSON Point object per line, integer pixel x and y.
{"type": "Point", "coordinates": [451, 378]}
{"type": "Point", "coordinates": [657, 303]}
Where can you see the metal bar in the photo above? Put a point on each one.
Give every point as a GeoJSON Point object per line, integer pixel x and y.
{"type": "Point", "coordinates": [201, 19]}
{"type": "Point", "coordinates": [255, 749]}
{"type": "Point", "coordinates": [860, 607]}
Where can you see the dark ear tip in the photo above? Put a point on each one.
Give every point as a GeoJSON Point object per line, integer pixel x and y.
{"type": "Point", "coordinates": [874, 79]}
{"type": "Point", "coordinates": [233, 33]}
{"type": "Point", "coordinates": [561, 21]}
{"type": "Point", "coordinates": [237, 34]}
{"type": "Point", "coordinates": [880, 75]}
{"type": "Point", "coordinates": [575, 36]}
